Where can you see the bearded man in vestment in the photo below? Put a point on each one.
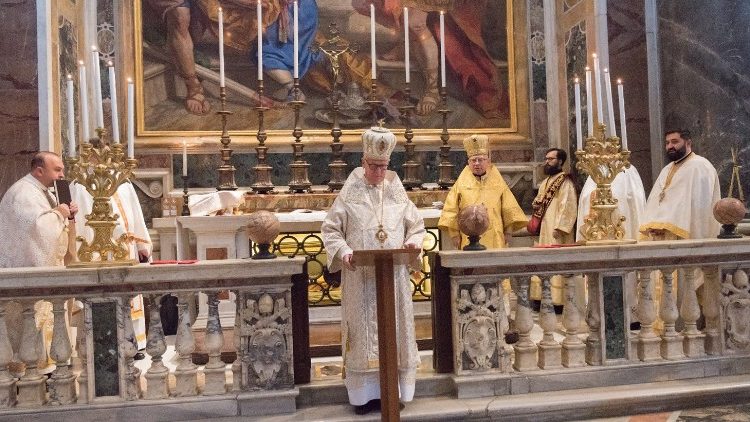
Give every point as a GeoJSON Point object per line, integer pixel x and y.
{"type": "Point", "coordinates": [37, 229]}
{"type": "Point", "coordinates": [130, 222]}
{"type": "Point", "coordinates": [373, 201]}
{"type": "Point", "coordinates": [480, 182]}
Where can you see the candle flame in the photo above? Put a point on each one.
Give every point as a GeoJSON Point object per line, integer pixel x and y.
{"type": "Point", "coordinates": [220, 9]}
{"type": "Point", "coordinates": [588, 68]}
{"type": "Point", "coordinates": [576, 80]}
{"type": "Point", "coordinates": [70, 77]}
{"type": "Point", "coordinates": [593, 55]}
{"type": "Point", "coordinates": [80, 62]}
{"type": "Point", "coordinates": [130, 80]}
{"type": "Point", "coordinates": [606, 70]}
{"type": "Point", "coordinates": [110, 64]}
{"type": "Point", "coordinates": [619, 81]}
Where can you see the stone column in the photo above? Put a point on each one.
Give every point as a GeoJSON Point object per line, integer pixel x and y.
{"type": "Point", "coordinates": [573, 353]}
{"type": "Point", "coordinates": [549, 349]}
{"type": "Point", "coordinates": [671, 341]}
{"type": "Point", "coordinates": [215, 369]}
{"type": "Point", "coordinates": [711, 309]}
{"type": "Point", "coordinates": [594, 321]}
{"type": "Point", "coordinates": [693, 341]}
{"type": "Point", "coordinates": [61, 385]}
{"type": "Point", "coordinates": [128, 349]}
{"type": "Point", "coordinates": [157, 376]}
{"type": "Point", "coordinates": [31, 386]}
{"type": "Point", "coordinates": [186, 373]}
{"type": "Point", "coordinates": [7, 382]}
{"type": "Point", "coordinates": [525, 349]}
{"type": "Point", "coordinates": [648, 341]}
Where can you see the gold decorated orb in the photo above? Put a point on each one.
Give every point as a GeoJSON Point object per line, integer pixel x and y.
{"type": "Point", "coordinates": [263, 227]}
{"type": "Point", "coordinates": [729, 212]}
{"type": "Point", "coordinates": [473, 221]}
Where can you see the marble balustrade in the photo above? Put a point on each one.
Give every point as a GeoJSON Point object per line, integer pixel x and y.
{"type": "Point", "coordinates": [263, 338]}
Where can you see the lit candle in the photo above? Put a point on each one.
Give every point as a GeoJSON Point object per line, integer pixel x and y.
{"type": "Point", "coordinates": [623, 129]}
{"type": "Point", "coordinates": [260, 42]}
{"type": "Point", "coordinates": [442, 49]}
{"type": "Point", "coordinates": [113, 102]}
{"type": "Point", "coordinates": [131, 119]}
{"type": "Point", "coordinates": [610, 104]}
{"type": "Point", "coordinates": [83, 99]}
{"type": "Point", "coordinates": [221, 48]}
{"type": "Point", "coordinates": [71, 118]}
{"type": "Point", "coordinates": [97, 88]}
{"type": "Point", "coordinates": [184, 159]}
{"type": "Point", "coordinates": [406, 44]}
{"type": "Point", "coordinates": [373, 59]}
{"type": "Point", "coordinates": [296, 39]}
{"type": "Point", "coordinates": [589, 108]}
{"type": "Point", "coordinates": [598, 80]}
{"type": "Point", "coordinates": [579, 130]}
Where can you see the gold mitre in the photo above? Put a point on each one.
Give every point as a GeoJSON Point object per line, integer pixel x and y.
{"type": "Point", "coordinates": [477, 145]}
{"type": "Point", "coordinates": [378, 143]}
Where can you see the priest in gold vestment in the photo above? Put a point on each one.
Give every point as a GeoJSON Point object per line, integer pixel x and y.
{"type": "Point", "coordinates": [372, 211]}
{"type": "Point", "coordinates": [480, 182]}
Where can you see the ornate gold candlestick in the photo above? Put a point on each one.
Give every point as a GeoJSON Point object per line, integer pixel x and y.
{"type": "Point", "coordinates": [411, 166]}
{"type": "Point", "coordinates": [226, 169]}
{"type": "Point", "coordinates": [101, 169]}
{"type": "Point", "coordinates": [185, 197]}
{"type": "Point", "coordinates": [300, 181]}
{"type": "Point", "coordinates": [445, 168]}
{"type": "Point", "coordinates": [603, 160]}
{"type": "Point", "coordinates": [262, 169]}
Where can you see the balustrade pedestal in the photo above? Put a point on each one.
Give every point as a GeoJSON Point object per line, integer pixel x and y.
{"type": "Point", "coordinates": [671, 341]}
{"type": "Point", "coordinates": [573, 349]}
{"type": "Point", "coordinates": [7, 382]}
{"type": "Point", "coordinates": [649, 343]}
{"type": "Point", "coordinates": [31, 386]}
{"type": "Point", "coordinates": [61, 385]}
{"type": "Point", "coordinates": [549, 349]}
{"type": "Point", "coordinates": [157, 376]}
{"type": "Point", "coordinates": [186, 373]}
{"type": "Point", "coordinates": [215, 369]}
{"type": "Point", "coordinates": [525, 349]}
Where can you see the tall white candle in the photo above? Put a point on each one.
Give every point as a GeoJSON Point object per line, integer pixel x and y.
{"type": "Point", "coordinates": [579, 130]}
{"type": "Point", "coordinates": [407, 69]}
{"type": "Point", "coordinates": [260, 42]}
{"type": "Point", "coordinates": [373, 58]}
{"type": "Point", "coordinates": [71, 118]}
{"type": "Point", "coordinates": [221, 47]}
{"type": "Point", "coordinates": [442, 49]}
{"type": "Point", "coordinates": [184, 158]}
{"type": "Point", "coordinates": [598, 80]}
{"type": "Point", "coordinates": [623, 129]}
{"type": "Point", "coordinates": [113, 102]}
{"type": "Point", "coordinates": [296, 39]}
{"type": "Point", "coordinates": [83, 99]}
{"type": "Point", "coordinates": [131, 119]}
{"type": "Point", "coordinates": [610, 104]}
{"type": "Point", "coordinates": [589, 108]}
{"type": "Point", "coordinates": [97, 87]}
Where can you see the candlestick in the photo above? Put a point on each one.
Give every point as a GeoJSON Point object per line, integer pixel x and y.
{"type": "Point", "coordinates": [598, 80]}
{"type": "Point", "coordinates": [589, 108]}
{"type": "Point", "coordinates": [184, 160]}
{"type": "Point", "coordinates": [71, 118]}
{"type": "Point", "coordinates": [260, 42]}
{"type": "Point", "coordinates": [83, 99]}
{"type": "Point", "coordinates": [610, 105]}
{"type": "Point", "coordinates": [185, 196]}
{"type": "Point", "coordinates": [411, 166]}
{"type": "Point", "coordinates": [296, 40]}
{"type": "Point", "coordinates": [221, 47]}
{"type": "Point", "coordinates": [226, 169]}
{"type": "Point", "coordinates": [623, 129]}
{"type": "Point", "coordinates": [300, 182]}
{"type": "Point", "coordinates": [579, 130]}
{"type": "Point", "coordinates": [113, 104]}
{"type": "Point", "coordinates": [262, 170]}
{"type": "Point", "coordinates": [131, 119]}
{"type": "Point", "coordinates": [445, 167]}
{"type": "Point", "coordinates": [97, 88]}
{"type": "Point", "coordinates": [407, 69]}
{"type": "Point", "coordinates": [442, 49]}
{"type": "Point", "coordinates": [373, 58]}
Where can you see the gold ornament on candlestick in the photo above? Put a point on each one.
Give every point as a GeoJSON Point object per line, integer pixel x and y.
{"type": "Point", "coordinates": [603, 159]}
{"type": "Point", "coordinates": [262, 169]}
{"type": "Point", "coordinates": [226, 169]}
{"type": "Point", "coordinates": [445, 168]}
{"type": "Point", "coordinates": [411, 166]}
{"type": "Point", "coordinates": [300, 182]}
{"type": "Point", "coordinates": [101, 169]}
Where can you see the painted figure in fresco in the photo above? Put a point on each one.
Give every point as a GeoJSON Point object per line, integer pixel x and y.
{"type": "Point", "coordinates": [466, 55]}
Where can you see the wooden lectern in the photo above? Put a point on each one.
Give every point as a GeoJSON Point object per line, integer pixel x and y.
{"type": "Point", "coordinates": [384, 260]}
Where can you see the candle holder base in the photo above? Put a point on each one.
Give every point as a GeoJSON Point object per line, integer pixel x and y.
{"type": "Point", "coordinates": [185, 197]}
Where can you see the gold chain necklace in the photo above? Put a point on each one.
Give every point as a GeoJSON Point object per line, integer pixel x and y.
{"type": "Point", "coordinates": [381, 235]}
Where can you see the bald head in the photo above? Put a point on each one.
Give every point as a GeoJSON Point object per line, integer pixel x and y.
{"type": "Point", "coordinates": [47, 167]}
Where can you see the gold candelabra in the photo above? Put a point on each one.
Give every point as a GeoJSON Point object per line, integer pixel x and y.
{"type": "Point", "coordinates": [262, 169]}
{"type": "Point", "coordinates": [603, 159]}
{"type": "Point", "coordinates": [300, 182]}
{"type": "Point", "coordinates": [226, 169]}
{"type": "Point", "coordinates": [411, 166]}
{"type": "Point", "coordinates": [101, 169]}
{"type": "Point", "coordinates": [445, 168]}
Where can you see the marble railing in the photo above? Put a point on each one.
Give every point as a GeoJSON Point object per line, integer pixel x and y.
{"type": "Point", "coordinates": [693, 303]}
{"type": "Point", "coordinates": [261, 379]}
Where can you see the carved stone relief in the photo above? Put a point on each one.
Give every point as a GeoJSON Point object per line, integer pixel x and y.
{"type": "Point", "coordinates": [735, 302]}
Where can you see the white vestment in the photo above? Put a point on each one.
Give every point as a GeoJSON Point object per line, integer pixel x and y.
{"type": "Point", "coordinates": [130, 221]}
{"type": "Point", "coordinates": [352, 224]}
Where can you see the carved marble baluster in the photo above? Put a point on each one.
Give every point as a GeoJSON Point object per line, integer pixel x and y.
{"type": "Point", "coordinates": [237, 337]}
{"type": "Point", "coordinates": [648, 341]}
{"type": "Point", "coordinates": [128, 349]}
{"type": "Point", "coordinates": [549, 349]}
{"type": "Point", "coordinates": [693, 342]}
{"type": "Point", "coordinates": [594, 321]}
{"type": "Point", "coordinates": [84, 340]}
{"type": "Point", "coordinates": [157, 376]}
{"type": "Point", "coordinates": [31, 386]}
{"type": "Point", "coordinates": [573, 353]}
{"type": "Point", "coordinates": [711, 298]}
{"type": "Point", "coordinates": [525, 349]}
{"type": "Point", "coordinates": [61, 385]}
{"type": "Point", "coordinates": [215, 369]}
{"type": "Point", "coordinates": [186, 373]}
{"type": "Point", "coordinates": [671, 341]}
{"type": "Point", "coordinates": [7, 382]}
